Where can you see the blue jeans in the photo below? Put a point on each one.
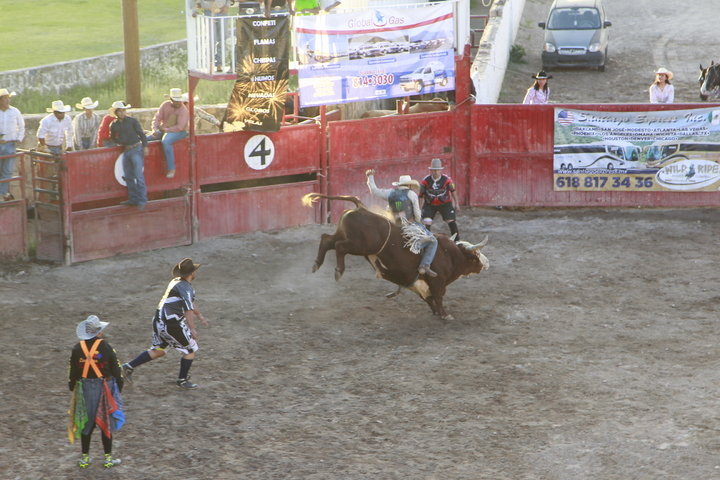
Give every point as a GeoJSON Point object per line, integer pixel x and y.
{"type": "Point", "coordinates": [219, 25]}
{"type": "Point", "coordinates": [167, 142]}
{"type": "Point", "coordinates": [6, 166]}
{"type": "Point", "coordinates": [428, 252]}
{"type": "Point", "coordinates": [133, 163]}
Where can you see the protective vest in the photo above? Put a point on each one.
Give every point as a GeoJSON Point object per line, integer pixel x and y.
{"type": "Point", "coordinates": [401, 204]}
{"type": "Point", "coordinates": [89, 360]}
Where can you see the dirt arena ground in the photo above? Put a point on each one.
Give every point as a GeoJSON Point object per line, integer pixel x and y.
{"type": "Point", "coordinates": [588, 350]}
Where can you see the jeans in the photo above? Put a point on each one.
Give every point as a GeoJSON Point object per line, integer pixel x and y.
{"type": "Point", "coordinates": [133, 163]}
{"type": "Point", "coordinates": [428, 252]}
{"type": "Point", "coordinates": [167, 142]}
{"type": "Point", "coordinates": [6, 166]}
{"type": "Point", "coordinates": [86, 143]}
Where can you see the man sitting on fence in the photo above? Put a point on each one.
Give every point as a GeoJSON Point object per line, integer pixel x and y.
{"type": "Point", "coordinates": [169, 124]}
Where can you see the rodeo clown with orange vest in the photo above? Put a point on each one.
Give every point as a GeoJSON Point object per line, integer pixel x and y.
{"type": "Point", "coordinates": [96, 381]}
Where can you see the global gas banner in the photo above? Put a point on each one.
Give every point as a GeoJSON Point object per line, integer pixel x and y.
{"type": "Point", "coordinates": [375, 53]}
{"type": "Point", "coordinates": [258, 99]}
{"type": "Point", "coordinates": [676, 150]}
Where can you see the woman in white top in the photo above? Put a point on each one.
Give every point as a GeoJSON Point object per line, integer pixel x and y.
{"type": "Point", "coordinates": [539, 93]}
{"type": "Point", "coordinates": [661, 91]}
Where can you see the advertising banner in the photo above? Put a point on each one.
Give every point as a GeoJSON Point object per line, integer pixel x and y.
{"type": "Point", "coordinates": [258, 99]}
{"type": "Point", "coordinates": [374, 54]}
{"type": "Point", "coordinates": [676, 150]}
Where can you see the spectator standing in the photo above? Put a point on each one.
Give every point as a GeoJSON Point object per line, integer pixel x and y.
{"type": "Point", "coordinates": [56, 133]}
{"type": "Point", "coordinates": [217, 8]}
{"type": "Point", "coordinates": [126, 131]}
{"type": "Point", "coordinates": [661, 91]}
{"type": "Point", "coordinates": [12, 132]}
{"type": "Point", "coordinates": [95, 378]}
{"type": "Point", "coordinates": [86, 125]}
{"type": "Point", "coordinates": [169, 124]}
{"type": "Point", "coordinates": [174, 324]}
{"type": "Point", "coordinates": [304, 7]}
{"type": "Point", "coordinates": [539, 93]}
{"type": "Point", "coordinates": [438, 194]}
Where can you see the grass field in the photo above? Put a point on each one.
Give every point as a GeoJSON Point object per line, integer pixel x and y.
{"type": "Point", "coordinates": [51, 31]}
{"type": "Point", "coordinates": [45, 32]}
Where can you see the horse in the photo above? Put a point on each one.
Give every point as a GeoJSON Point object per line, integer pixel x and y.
{"type": "Point", "coordinates": [709, 81]}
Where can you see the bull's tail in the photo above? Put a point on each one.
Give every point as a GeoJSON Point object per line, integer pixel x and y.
{"type": "Point", "coordinates": [311, 198]}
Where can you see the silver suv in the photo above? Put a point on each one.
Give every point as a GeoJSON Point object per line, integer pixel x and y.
{"type": "Point", "coordinates": [576, 34]}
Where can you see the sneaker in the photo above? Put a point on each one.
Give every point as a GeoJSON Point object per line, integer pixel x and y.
{"type": "Point", "coordinates": [170, 174]}
{"type": "Point", "coordinates": [184, 383]}
{"type": "Point", "coordinates": [111, 462]}
{"type": "Point", "coordinates": [127, 371]}
{"type": "Point", "coordinates": [128, 203]}
{"type": "Point", "coordinates": [9, 197]}
{"type": "Point", "coordinates": [84, 461]}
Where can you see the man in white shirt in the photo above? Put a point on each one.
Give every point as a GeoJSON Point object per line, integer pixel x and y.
{"type": "Point", "coordinates": [55, 132]}
{"type": "Point", "coordinates": [12, 132]}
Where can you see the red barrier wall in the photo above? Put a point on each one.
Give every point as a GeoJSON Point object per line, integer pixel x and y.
{"type": "Point", "coordinates": [511, 161]}
{"type": "Point", "coordinates": [393, 146]}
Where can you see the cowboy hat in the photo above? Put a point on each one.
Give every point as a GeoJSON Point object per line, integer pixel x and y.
{"type": "Point", "coordinates": [185, 268]}
{"type": "Point", "coordinates": [4, 92]}
{"type": "Point", "coordinates": [541, 74]}
{"type": "Point", "coordinates": [406, 181]}
{"type": "Point", "coordinates": [175, 94]}
{"type": "Point", "coordinates": [90, 327]}
{"type": "Point", "coordinates": [115, 106]}
{"type": "Point", "coordinates": [186, 97]}
{"type": "Point", "coordinates": [664, 71]}
{"type": "Point", "coordinates": [87, 103]}
{"type": "Point", "coordinates": [436, 164]}
{"type": "Point", "coordinates": [59, 106]}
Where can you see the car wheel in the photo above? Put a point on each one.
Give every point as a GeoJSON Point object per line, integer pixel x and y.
{"type": "Point", "coordinates": [570, 167]}
{"type": "Point", "coordinates": [444, 81]}
{"type": "Point", "coordinates": [418, 86]}
{"type": "Point", "coordinates": [601, 68]}
{"type": "Point", "coordinates": [610, 166]}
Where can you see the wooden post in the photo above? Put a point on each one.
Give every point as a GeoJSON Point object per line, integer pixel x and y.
{"type": "Point", "coordinates": [132, 53]}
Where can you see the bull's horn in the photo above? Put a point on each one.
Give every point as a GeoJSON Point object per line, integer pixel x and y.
{"type": "Point", "coordinates": [480, 245]}
{"type": "Point", "coordinates": [453, 237]}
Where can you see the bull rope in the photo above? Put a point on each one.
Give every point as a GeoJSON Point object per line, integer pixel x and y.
{"type": "Point", "coordinates": [386, 239]}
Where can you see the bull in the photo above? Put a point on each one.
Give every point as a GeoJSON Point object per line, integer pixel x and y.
{"type": "Point", "coordinates": [381, 242]}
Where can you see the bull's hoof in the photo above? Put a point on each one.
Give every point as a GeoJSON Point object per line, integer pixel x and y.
{"type": "Point", "coordinates": [338, 275]}
{"type": "Point", "coordinates": [316, 267]}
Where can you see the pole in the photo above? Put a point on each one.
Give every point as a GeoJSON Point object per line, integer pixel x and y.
{"type": "Point", "coordinates": [132, 53]}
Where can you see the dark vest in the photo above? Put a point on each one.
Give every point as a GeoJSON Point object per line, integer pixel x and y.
{"type": "Point", "coordinates": [400, 203]}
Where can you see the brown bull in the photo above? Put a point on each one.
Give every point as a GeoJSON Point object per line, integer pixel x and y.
{"type": "Point", "coordinates": [380, 241]}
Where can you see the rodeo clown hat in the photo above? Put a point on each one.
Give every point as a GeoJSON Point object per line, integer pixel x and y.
{"type": "Point", "coordinates": [87, 103]}
{"type": "Point", "coordinates": [175, 94]}
{"type": "Point", "coordinates": [436, 164]}
{"type": "Point", "coordinates": [5, 92]}
{"type": "Point", "coordinates": [59, 106]}
{"type": "Point", "coordinates": [90, 327]}
{"type": "Point", "coordinates": [119, 104]}
{"type": "Point", "coordinates": [185, 268]}
{"type": "Point", "coordinates": [664, 71]}
{"type": "Point", "coordinates": [406, 181]}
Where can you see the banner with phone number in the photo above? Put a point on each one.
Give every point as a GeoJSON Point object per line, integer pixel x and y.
{"type": "Point", "coordinates": [676, 150]}
{"type": "Point", "coordinates": [375, 54]}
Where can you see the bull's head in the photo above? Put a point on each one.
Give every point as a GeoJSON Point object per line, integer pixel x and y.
{"type": "Point", "coordinates": [473, 254]}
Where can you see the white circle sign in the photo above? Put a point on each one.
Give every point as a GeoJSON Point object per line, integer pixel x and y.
{"type": "Point", "coordinates": [120, 171]}
{"type": "Point", "coordinates": [259, 152]}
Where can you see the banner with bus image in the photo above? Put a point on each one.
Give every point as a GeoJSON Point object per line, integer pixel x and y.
{"type": "Point", "coordinates": [673, 150]}
{"type": "Point", "coordinates": [375, 53]}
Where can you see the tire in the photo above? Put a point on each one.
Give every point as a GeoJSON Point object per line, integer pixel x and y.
{"type": "Point", "coordinates": [418, 86]}
{"type": "Point", "coordinates": [570, 167]}
{"type": "Point", "coordinates": [601, 68]}
{"type": "Point", "coordinates": [444, 81]}
{"type": "Point", "coordinates": [610, 166]}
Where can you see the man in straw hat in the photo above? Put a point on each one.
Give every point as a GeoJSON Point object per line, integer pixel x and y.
{"type": "Point", "coordinates": [174, 324]}
{"type": "Point", "coordinates": [169, 124]}
{"type": "Point", "coordinates": [86, 125]}
{"type": "Point", "coordinates": [438, 194]}
{"type": "Point", "coordinates": [12, 133]}
{"type": "Point", "coordinates": [404, 205]}
{"type": "Point", "coordinates": [126, 131]}
{"type": "Point", "coordinates": [96, 381]}
{"type": "Point", "coordinates": [55, 134]}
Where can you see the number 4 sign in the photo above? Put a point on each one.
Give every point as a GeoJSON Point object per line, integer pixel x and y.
{"type": "Point", "coordinates": [259, 152]}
